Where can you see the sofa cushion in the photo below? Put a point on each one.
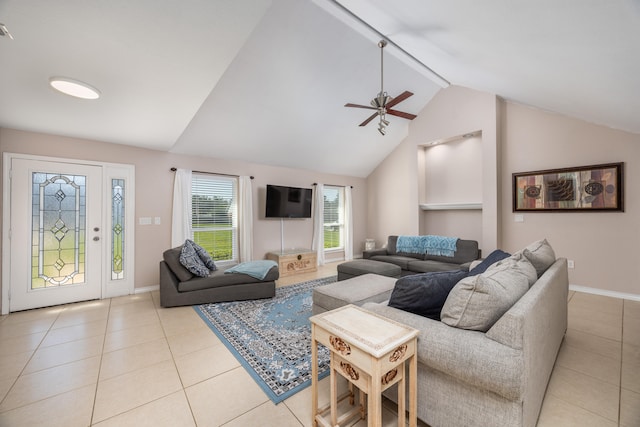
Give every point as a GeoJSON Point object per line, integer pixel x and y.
{"type": "Point", "coordinates": [192, 262]}
{"type": "Point", "coordinates": [466, 251]}
{"type": "Point", "coordinates": [541, 255]}
{"type": "Point", "coordinates": [424, 294]}
{"type": "Point", "coordinates": [401, 261]}
{"type": "Point", "coordinates": [218, 279]}
{"type": "Point", "coordinates": [431, 265]}
{"type": "Point", "coordinates": [495, 256]}
{"type": "Point", "coordinates": [172, 258]}
{"type": "Point", "coordinates": [477, 302]}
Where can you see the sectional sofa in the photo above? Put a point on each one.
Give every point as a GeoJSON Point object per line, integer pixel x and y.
{"type": "Point", "coordinates": [413, 263]}
{"type": "Point", "coordinates": [488, 360]}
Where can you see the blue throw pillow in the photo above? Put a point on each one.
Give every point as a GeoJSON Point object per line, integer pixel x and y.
{"type": "Point", "coordinates": [191, 261]}
{"type": "Point", "coordinates": [425, 294]}
{"type": "Point", "coordinates": [493, 257]}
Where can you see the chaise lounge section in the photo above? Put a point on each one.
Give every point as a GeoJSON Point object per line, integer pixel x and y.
{"type": "Point", "coordinates": [178, 286]}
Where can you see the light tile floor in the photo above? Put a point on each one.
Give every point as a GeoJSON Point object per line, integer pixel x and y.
{"type": "Point", "coordinates": [127, 362]}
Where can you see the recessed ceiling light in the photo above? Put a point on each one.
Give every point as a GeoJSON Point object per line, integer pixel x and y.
{"type": "Point", "coordinates": [74, 88]}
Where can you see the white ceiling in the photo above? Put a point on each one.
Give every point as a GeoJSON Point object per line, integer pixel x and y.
{"type": "Point", "coordinates": [266, 80]}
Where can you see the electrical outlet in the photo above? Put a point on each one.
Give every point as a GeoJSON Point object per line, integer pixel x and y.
{"type": "Point", "coordinates": [570, 263]}
{"type": "Point", "coordinates": [518, 218]}
{"type": "Point", "coordinates": [156, 220]}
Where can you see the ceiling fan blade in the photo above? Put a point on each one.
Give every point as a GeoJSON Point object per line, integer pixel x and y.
{"type": "Point", "coordinates": [402, 114]}
{"type": "Point", "coordinates": [398, 99]}
{"type": "Point", "coordinates": [373, 116]}
{"type": "Point", "coordinates": [360, 106]}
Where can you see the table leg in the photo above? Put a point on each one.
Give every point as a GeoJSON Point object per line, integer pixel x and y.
{"type": "Point", "coordinates": [314, 376]}
{"type": "Point", "coordinates": [402, 391]}
{"type": "Point", "coordinates": [413, 391]}
{"type": "Point", "coordinates": [375, 398]}
{"type": "Point", "coordinates": [334, 392]}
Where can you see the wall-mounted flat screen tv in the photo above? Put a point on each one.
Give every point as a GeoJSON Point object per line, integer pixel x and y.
{"type": "Point", "coordinates": [288, 202]}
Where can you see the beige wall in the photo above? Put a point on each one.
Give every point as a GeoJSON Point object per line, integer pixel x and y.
{"type": "Point", "coordinates": [154, 189]}
{"type": "Point", "coordinates": [394, 190]}
{"type": "Point", "coordinates": [604, 246]}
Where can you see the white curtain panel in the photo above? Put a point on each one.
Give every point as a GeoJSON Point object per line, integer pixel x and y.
{"type": "Point", "coordinates": [181, 217]}
{"type": "Point", "coordinates": [245, 218]}
{"type": "Point", "coordinates": [317, 243]}
{"type": "Point", "coordinates": [348, 225]}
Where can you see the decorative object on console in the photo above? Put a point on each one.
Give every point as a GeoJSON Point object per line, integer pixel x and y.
{"type": "Point", "coordinates": [577, 189]}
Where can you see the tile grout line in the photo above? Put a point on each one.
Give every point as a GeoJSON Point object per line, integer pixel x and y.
{"type": "Point", "coordinates": [104, 340]}
{"type": "Point", "coordinates": [173, 359]}
{"type": "Point", "coordinates": [29, 361]}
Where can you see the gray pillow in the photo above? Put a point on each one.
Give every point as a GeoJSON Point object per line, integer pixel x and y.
{"type": "Point", "coordinates": [541, 255]}
{"type": "Point", "coordinates": [477, 302]}
{"type": "Point", "coordinates": [172, 258]}
{"type": "Point", "coordinates": [192, 262]}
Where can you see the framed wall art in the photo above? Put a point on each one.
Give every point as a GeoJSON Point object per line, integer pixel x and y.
{"type": "Point", "coordinates": [594, 188]}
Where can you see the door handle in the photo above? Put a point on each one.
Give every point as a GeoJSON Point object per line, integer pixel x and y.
{"type": "Point", "coordinates": [96, 238]}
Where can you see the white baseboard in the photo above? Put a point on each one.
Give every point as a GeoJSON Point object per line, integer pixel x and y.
{"type": "Point", "coordinates": [612, 294]}
{"type": "Point", "coordinates": [146, 289]}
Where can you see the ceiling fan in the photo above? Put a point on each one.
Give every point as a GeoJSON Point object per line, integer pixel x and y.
{"type": "Point", "coordinates": [383, 103]}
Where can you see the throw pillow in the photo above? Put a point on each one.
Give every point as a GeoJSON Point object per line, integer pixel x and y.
{"type": "Point", "coordinates": [477, 302]}
{"type": "Point", "coordinates": [424, 294]}
{"type": "Point", "coordinates": [541, 255]}
{"type": "Point", "coordinates": [204, 256]}
{"type": "Point", "coordinates": [495, 256]}
{"type": "Point", "coordinates": [192, 262]}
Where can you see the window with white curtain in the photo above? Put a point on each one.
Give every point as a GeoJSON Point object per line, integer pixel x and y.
{"type": "Point", "coordinates": [333, 217]}
{"type": "Point", "coordinates": [214, 206]}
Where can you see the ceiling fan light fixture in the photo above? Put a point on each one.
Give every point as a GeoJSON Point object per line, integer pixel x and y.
{"type": "Point", "coordinates": [74, 88]}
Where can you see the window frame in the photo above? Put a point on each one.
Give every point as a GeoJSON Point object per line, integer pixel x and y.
{"type": "Point", "coordinates": [201, 183]}
{"type": "Point", "coordinates": [340, 221]}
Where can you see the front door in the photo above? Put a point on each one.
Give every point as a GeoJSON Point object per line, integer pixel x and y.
{"type": "Point", "coordinates": [56, 233]}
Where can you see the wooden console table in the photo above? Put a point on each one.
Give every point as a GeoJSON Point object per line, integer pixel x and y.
{"type": "Point", "coordinates": [370, 351]}
{"type": "Point", "coordinates": [294, 261]}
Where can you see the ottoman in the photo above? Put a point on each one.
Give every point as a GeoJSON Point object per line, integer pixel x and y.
{"type": "Point", "coordinates": [350, 269]}
{"type": "Point", "coordinates": [358, 290]}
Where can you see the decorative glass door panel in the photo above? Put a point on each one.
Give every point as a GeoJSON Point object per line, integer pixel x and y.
{"type": "Point", "coordinates": [117, 229]}
{"type": "Point", "coordinates": [59, 230]}
{"type": "Point", "coordinates": [56, 222]}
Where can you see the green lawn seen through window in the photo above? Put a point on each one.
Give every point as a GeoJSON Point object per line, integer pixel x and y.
{"type": "Point", "coordinates": [219, 243]}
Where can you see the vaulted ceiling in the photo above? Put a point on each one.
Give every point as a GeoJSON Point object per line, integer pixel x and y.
{"type": "Point", "coordinates": [266, 80]}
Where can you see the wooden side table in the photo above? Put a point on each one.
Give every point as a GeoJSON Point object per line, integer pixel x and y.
{"type": "Point", "coordinates": [370, 351]}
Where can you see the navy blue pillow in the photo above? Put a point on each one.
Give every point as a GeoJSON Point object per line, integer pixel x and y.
{"type": "Point", "coordinates": [493, 257]}
{"type": "Point", "coordinates": [424, 294]}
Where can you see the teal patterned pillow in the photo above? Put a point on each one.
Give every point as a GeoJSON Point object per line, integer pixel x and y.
{"type": "Point", "coordinates": [191, 260]}
{"type": "Point", "coordinates": [204, 256]}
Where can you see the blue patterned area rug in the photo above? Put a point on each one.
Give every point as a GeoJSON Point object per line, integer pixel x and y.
{"type": "Point", "coordinates": [271, 338]}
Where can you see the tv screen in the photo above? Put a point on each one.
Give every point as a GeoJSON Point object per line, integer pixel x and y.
{"type": "Point", "coordinates": [288, 202]}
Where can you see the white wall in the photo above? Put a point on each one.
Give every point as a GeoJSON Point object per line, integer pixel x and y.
{"type": "Point", "coordinates": [154, 192]}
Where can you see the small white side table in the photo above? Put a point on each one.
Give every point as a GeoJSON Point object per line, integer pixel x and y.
{"type": "Point", "coordinates": [370, 351]}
